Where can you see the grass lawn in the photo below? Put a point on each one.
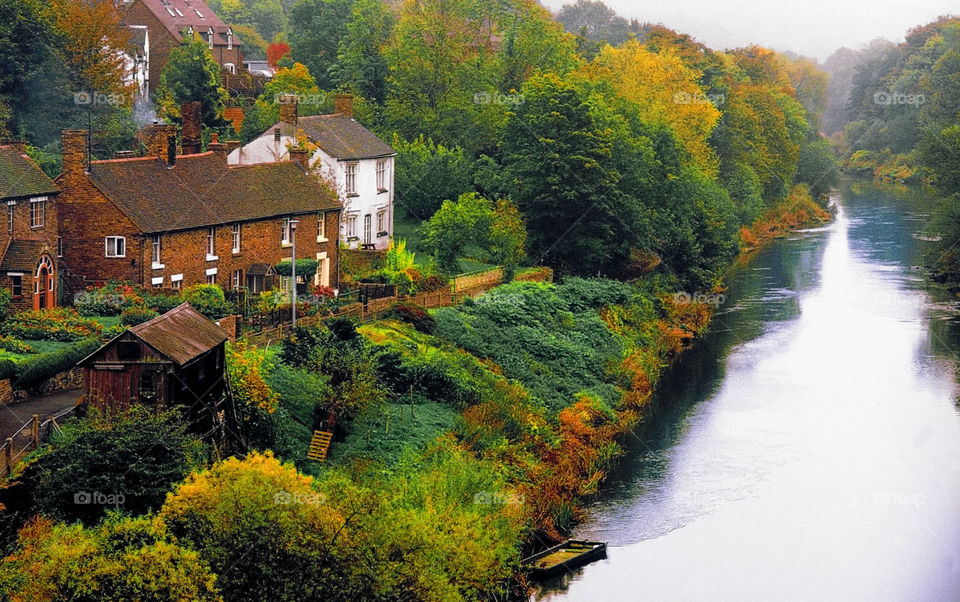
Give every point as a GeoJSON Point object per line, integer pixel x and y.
{"type": "Point", "coordinates": [107, 321]}
{"type": "Point", "coordinates": [379, 438]}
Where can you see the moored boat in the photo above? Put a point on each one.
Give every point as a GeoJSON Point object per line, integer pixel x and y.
{"type": "Point", "coordinates": [566, 556]}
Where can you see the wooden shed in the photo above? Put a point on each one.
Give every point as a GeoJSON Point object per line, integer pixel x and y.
{"type": "Point", "coordinates": [174, 359]}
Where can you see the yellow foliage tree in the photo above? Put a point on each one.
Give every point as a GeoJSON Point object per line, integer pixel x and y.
{"type": "Point", "coordinates": [664, 92]}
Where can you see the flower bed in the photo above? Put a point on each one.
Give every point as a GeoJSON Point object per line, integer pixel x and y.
{"type": "Point", "coordinates": [54, 324]}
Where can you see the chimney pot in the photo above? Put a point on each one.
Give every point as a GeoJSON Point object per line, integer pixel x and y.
{"type": "Point", "coordinates": [171, 151]}
{"type": "Point", "coordinates": [343, 105]}
{"type": "Point", "coordinates": [74, 153]}
{"type": "Point", "coordinates": [289, 108]}
{"type": "Point", "coordinates": [190, 113]}
{"type": "Point", "coordinates": [156, 140]}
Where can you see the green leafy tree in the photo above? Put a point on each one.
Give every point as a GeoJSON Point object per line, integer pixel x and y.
{"type": "Point", "coordinates": [138, 455]}
{"type": "Point", "coordinates": [315, 38]}
{"type": "Point", "coordinates": [818, 167]}
{"type": "Point", "coordinates": [361, 66]}
{"type": "Point", "coordinates": [428, 174]}
{"type": "Point", "coordinates": [192, 74]}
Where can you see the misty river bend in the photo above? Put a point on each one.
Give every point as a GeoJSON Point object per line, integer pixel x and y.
{"type": "Point", "coordinates": [809, 447]}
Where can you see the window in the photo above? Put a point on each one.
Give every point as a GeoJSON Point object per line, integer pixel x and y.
{"type": "Point", "coordinates": [11, 206]}
{"type": "Point", "coordinates": [116, 246]}
{"type": "Point", "coordinates": [148, 385]}
{"type": "Point", "coordinates": [128, 350]}
{"type": "Point", "coordinates": [210, 38]}
{"type": "Point", "coordinates": [381, 223]}
{"type": "Point", "coordinates": [157, 282]}
{"type": "Point", "coordinates": [38, 211]}
{"type": "Point", "coordinates": [381, 175]}
{"type": "Point", "coordinates": [236, 279]}
{"type": "Point", "coordinates": [176, 284]}
{"type": "Point", "coordinates": [16, 285]}
{"type": "Point", "coordinates": [351, 178]}
{"type": "Point", "coordinates": [230, 67]}
{"type": "Point", "coordinates": [156, 250]}
{"type": "Point", "coordinates": [367, 228]}
{"type": "Point", "coordinates": [211, 278]}
{"type": "Point", "coordinates": [321, 226]}
{"type": "Point", "coordinates": [230, 40]}
{"type": "Point", "coordinates": [351, 226]}
{"type": "Point", "coordinates": [285, 235]}
{"type": "Point", "coordinates": [211, 237]}
{"type": "Point", "coordinates": [175, 280]}
{"type": "Point", "coordinates": [236, 238]}
{"type": "Point", "coordinates": [59, 246]}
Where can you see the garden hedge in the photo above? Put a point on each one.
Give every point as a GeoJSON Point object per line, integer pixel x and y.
{"type": "Point", "coordinates": [41, 367]}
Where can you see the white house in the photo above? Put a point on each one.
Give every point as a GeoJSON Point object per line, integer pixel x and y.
{"type": "Point", "coordinates": [360, 163]}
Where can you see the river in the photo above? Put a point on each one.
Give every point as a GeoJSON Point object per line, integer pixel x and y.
{"type": "Point", "coordinates": [808, 448]}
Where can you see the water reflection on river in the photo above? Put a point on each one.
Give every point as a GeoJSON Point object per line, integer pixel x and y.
{"type": "Point", "coordinates": [809, 447]}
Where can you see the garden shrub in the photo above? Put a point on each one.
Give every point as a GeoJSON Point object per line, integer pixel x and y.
{"type": "Point", "coordinates": [412, 314]}
{"type": "Point", "coordinates": [52, 324]}
{"type": "Point", "coordinates": [8, 369]}
{"type": "Point", "coordinates": [207, 299]}
{"type": "Point", "coordinates": [163, 303]}
{"type": "Point", "coordinates": [15, 345]}
{"type": "Point", "coordinates": [137, 315]}
{"type": "Point", "coordinates": [107, 300]}
{"type": "Point", "coordinates": [41, 367]}
{"type": "Point", "coordinates": [6, 298]}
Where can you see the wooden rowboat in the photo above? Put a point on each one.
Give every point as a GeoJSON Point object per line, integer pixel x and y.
{"type": "Point", "coordinates": [564, 557]}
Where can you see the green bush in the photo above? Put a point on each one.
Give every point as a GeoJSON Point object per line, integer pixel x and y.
{"type": "Point", "coordinates": [15, 345]}
{"type": "Point", "coordinates": [305, 267]}
{"type": "Point", "coordinates": [412, 314]}
{"type": "Point", "coordinates": [8, 369]}
{"type": "Point", "coordinates": [163, 303]}
{"type": "Point", "coordinates": [207, 299]}
{"type": "Point", "coordinates": [6, 298]}
{"type": "Point", "coordinates": [41, 367]}
{"type": "Point", "coordinates": [137, 315]}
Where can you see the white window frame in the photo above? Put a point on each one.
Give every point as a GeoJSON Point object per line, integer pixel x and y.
{"type": "Point", "coordinates": [155, 252]}
{"type": "Point", "coordinates": [115, 239]}
{"type": "Point", "coordinates": [367, 229]}
{"type": "Point", "coordinates": [321, 226]}
{"type": "Point", "coordinates": [350, 178]}
{"type": "Point", "coordinates": [236, 279]}
{"type": "Point", "coordinates": [212, 244]}
{"type": "Point", "coordinates": [285, 232]}
{"type": "Point", "coordinates": [351, 226]}
{"type": "Point", "coordinates": [157, 281]}
{"type": "Point", "coordinates": [11, 210]}
{"type": "Point", "coordinates": [381, 175]}
{"type": "Point", "coordinates": [175, 280]}
{"type": "Point", "coordinates": [235, 230]}
{"type": "Point", "coordinates": [38, 212]}
{"type": "Point", "coordinates": [382, 221]}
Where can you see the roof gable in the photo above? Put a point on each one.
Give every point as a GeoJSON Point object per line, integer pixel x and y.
{"type": "Point", "coordinates": [21, 177]}
{"type": "Point", "coordinates": [179, 15]}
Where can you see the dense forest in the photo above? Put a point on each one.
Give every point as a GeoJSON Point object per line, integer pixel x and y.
{"type": "Point", "coordinates": [895, 116]}
{"type": "Point", "coordinates": [631, 159]}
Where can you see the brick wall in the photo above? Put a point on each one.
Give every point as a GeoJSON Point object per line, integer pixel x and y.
{"type": "Point", "coordinates": [23, 231]}
{"type": "Point", "coordinates": [185, 252]}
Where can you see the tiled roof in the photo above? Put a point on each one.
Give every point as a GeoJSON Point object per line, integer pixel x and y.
{"type": "Point", "coordinates": [200, 190]}
{"type": "Point", "coordinates": [181, 334]}
{"type": "Point", "coordinates": [185, 16]}
{"type": "Point", "coordinates": [343, 137]}
{"type": "Point", "coordinates": [21, 177]}
{"type": "Point", "coordinates": [21, 256]}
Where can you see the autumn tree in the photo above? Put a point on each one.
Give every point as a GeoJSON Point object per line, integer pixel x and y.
{"type": "Point", "coordinates": [361, 66]}
{"type": "Point", "coordinates": [275, 51]}
{"type": "Point", "coordinates": [318, 27]}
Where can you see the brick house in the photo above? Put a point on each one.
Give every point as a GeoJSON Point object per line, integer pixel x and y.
{"type": "Point", "coordinates": [169, 220]}
{"type": "Point", "coordinates": [29, 265]}
{"type": "Point", "coordinates": [169, 23]}
{"type": "Point", "coordinates": [359, 162]}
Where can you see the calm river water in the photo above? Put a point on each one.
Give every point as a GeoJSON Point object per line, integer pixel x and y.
{"type": "Point", "coordinates": [809, 447]}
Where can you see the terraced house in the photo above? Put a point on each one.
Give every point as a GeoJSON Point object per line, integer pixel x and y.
{"type": "Point", "coordinates": [169, 220]}
{"type": "Point", "coordinates": [29, 265]}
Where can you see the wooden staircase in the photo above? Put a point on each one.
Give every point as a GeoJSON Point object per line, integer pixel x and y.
{"type": "Point", "coordinates": [319, 445]}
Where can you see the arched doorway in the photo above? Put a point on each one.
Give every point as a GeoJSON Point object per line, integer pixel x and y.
{"type": "Point", "coordinates": [44, 293]}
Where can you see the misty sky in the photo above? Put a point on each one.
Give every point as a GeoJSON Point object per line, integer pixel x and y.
{"type": "Point", "coordinates": [809, 27]}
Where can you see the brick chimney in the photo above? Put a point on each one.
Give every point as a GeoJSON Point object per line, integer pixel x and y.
{"type": "Point", "coordinates": [74, 154]}
{"type": "Point", "coordinates": [343, 105]}
{"type": "Point", "coordinates": [289, 108]}
{"type": "Point", "coordinates": [301, 156]}
{"type": "Point", "coordinates": [156, 138]}
{"type": "Point", "coordinates": [192, 127]}
{"type": "Point", "coordinates": [219, 149]}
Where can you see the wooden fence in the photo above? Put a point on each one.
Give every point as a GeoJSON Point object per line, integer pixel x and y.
{"type": "Point", "coordinates": [375, 309]}
{"type": "Point", "coordinates": [28, 438]}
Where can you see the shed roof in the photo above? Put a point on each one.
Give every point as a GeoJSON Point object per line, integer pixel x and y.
{"type": "Point", "coordinates": [182, 334]}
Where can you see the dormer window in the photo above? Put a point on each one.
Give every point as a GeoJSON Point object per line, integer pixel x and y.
{"type": "Point", "coordinates": [229, 39]}
{"type": "Point", "coordinates": [190, 31]}
{"type": "Point", "coordinates": [210, 37]}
